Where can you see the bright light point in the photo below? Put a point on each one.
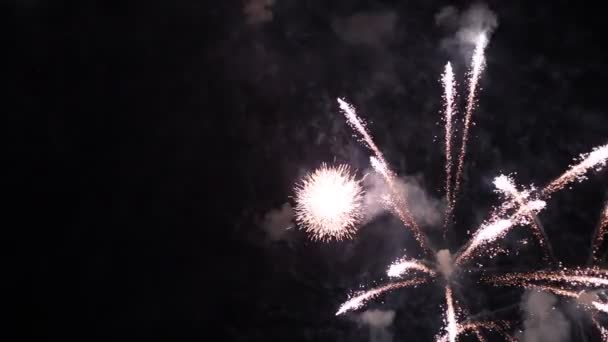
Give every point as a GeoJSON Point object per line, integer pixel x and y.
{"type": "Point", "coordinates": [329, 203]}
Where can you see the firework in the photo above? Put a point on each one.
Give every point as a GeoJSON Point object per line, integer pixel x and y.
{"type": "Point", "coordinates": [587, 277]}
{"type": "Point", "coordinates": [600, 232]}
{"type": "Point", "coordinates": [594, 160]}
{"type": "Point", "coordinates": [603, 331]}
{"type": "Point", "coordinates": [449, 88]}
{"type": "Point", "coordinates": [329, 203]}
{"type": "Point", "coordinates": [358, 125]}
{"type": "Point", "coordinates": [505, 185]}
{"type": "Point", "coordinates": [402, 266]}
{"type": "Point", "coordinates": [359, 299]}
{"type": "Point", "coordinates": [477, 66]}
{"type": "Point", "coordinates": [451, 327]}
{"type": "Point", "coordinates": [476, 327]}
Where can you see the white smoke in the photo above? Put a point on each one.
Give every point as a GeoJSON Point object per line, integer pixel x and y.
{"type": "Point", "coordinates": [426, 210]}
{"type": "Point", "coordinates": [444, 261]}
{"type": "Point", "coordinates": [277, 222]}
{"type": "Point", "coordinates": [258, 11]}
{"type": "Point", "coordinates": [468, 25]}
{"type": "Point", "coordinates": [378, 322]}
{"type": "Point", "coordinates": [543, 321]}
{"type": "Point", "coordinates": [366, 28]}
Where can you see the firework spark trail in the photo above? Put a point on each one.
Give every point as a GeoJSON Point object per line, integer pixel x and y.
{"type": "Point", "coordinates": [398, 203]}
{"type": "Point", "coordinates": [357, 124]}
{"type": "Point", "coordinates": [590, 277]}
{"type": "Point", "coordinates": [378, 162]}
{"type": "Point", "coordinates": [596, 159]}
{"type": "Point", "coordinates": [603, 331]}
{"type": "Point", "coordinates": [477, 66]}
{"type": "Point", "coordinates": [449, 88]}
{"type": "Point", "coordinates": [451, 327]}
{"type": "Point", "coordinates": [497, 228]}
{"type": "Point", "coordinates": [477, 327]}
{"type": "Point", "coordinates": [328, 203]}
{"type": "Point", "coordinates": [579, 296]}
{"type": "Point", "coordinates": [600, 232]}
{"type": "Point", "coordinates": [359, 300]}
{"type": "Point", "coordinates": [398, 268]}
{"type": "Point", "coordinates": [506, 185]}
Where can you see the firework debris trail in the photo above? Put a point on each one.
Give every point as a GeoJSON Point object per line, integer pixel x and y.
{"type": "Point", "coordinates": [402, 266]}
{"type": "Point", "coordinates": [359, 299]}
{"type": "Point", "coordinates": [603, 331]}
{"type": "Point", "coordinates": [507, 187]}
{"type": "Point", "coordinates": [594, 160]}
{"type": "Point", "coordinates": [477, 327]}
{"type": "Point", "coordinates": [497, 227]}
{"type": "Point", "coordinates": [451, 326]}
{"type": "Point", "coordinates": [477, 66]}
{"type": "Point", "coordinates": [329, 202]}
{"type": "Point", "coordinates": [586, 299]}
{"type": "Point", "coordinates": [449, 89]}
{"type": "Point", "coordinates": [398, 202]}
{"type": "Point", "coordinates": [592, 277]}
{"type": "Point", "coordinates": [600, 232]}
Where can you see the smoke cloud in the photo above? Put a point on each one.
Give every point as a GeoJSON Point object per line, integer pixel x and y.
{"type": "Point", "coordinates": [258, 11]}
{"type": "Point", "coordinates": [277, 221]}
{"type": "Point", "coordinates": [543, 321]}
{"type": "Point", "coordinates": [378, 322]}
{"type": "Point", "coordinates": [468, 25]}
{"type": "Point", "coordinates": [366, 28]}
{"type": "Point", "coordinates": [427, 211]}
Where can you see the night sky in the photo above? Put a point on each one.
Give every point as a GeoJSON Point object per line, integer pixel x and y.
{"type": "Point", "coordinates": [149, 142]}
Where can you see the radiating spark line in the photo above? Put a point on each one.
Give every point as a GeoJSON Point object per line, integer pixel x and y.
{"type": "Point", "coordinates": [594, 160]}
{"type": "Point", "coordinates": [497, 228]}
{"type": "Point", "coordinates": [600, 233]}
{"type": "Point", "coordinates": [449, 88]}
{"type": "Point", "coordinates": [603, 331]}
{"type": "Point", "coordinates": [360, 299]}
{"type": "Point", "coordinates": [506, 185]}
{"type": "Point", "coordinates": [329, 203]}
{"type": "Point", "coordinates": [398, 203]}
{"type": "Point", "coordinates": [476, 327]}
{"type": "Point", "coordinates": [451, 328]}
{"type": "Point", "coordinates": [588, 277]}
{"type": "Point", "coordinates": [398, 268]}
{"type": "Point", "coordinates": [357, 125]}
{"type": "Point", "coordinates": [477, 66]}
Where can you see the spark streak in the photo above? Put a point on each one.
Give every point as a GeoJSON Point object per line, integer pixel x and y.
{"type": "Point", "coordinates": [587, 277]}
{"type": "Point", "coordinates": [360, 299]}
{"type": "Point", "coordinates": [477, 66]}
{"type": "Point", "coordinates": [451, 328]}
{"type": "Point", "coordinates": [595, 159]}
{"type": "Point", "coordinates": [600, 233]}
{"type": "Point", "coordinates": [505, 185]}
{"type": "Point", "coordinates": [449, 88]}
{"type": "Point", "coordinates": [398, 268]}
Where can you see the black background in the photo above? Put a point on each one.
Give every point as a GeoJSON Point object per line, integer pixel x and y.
{"type": "Point", "coordinates": [147, 139]}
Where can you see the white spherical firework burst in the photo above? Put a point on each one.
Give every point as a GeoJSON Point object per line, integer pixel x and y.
{"type": "Point", "coordinates": [329, 202]}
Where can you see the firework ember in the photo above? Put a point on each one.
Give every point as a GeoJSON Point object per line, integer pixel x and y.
{"type": "Point", "coordinates": [329, 203]}
{"type": "Point", "coordinates": [477, 66]}
{"type": "Point", "coordinates": [358, 300]}
{"type": "Point", "coordinates": [587, 277]}
{"type": "Point", "coordinates": [449, 88]}
{"type": "Point", "coordinates": [600, 233]}
{"type": "Point", "coordinates": [594, 160]}
{"type": "Point", "coordinates": [451, 328]}
{"type": "Point", "coordinates": [400, 267]}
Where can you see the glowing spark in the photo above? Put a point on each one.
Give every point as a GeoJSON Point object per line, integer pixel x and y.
{"type": "Point", "coordinates": [360, 299]}
{"type": "Point", "coordinates": [329, 203]}
{"type": "Point", "coordinates": [477, 66]}
{"type": "Point", "coordinates": [497, 227]}
{"type": "Point", "coordinates": [600, 233]}
{"type": "Point", "coordinates": [476, 327]}
{"type": "Point", "coordinates": [588, 277]}
{"type": "Point", "coordinates": [398, 268]}
{"type": "Point", "coordinates": [594, 160]}
{"type": "Point", "coordinates": [358, 125]}
{"type": "Point", "coordinates": [449, 88]}
{"type": "Point", "coordinates": [451, 328]}
{"type": "Point", "coordinates": [602, 330]}
{"type": "Point", "coordinates": [506, 185]}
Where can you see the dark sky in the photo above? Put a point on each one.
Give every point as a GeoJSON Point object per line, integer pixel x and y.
{"type": "Point", "coordinates": [148, 139]}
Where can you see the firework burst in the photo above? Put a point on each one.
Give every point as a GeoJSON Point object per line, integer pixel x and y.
{"type": "Point", "coordinates": [329, 207]}
{"type": "Point", "coordinates": [329, 203]}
